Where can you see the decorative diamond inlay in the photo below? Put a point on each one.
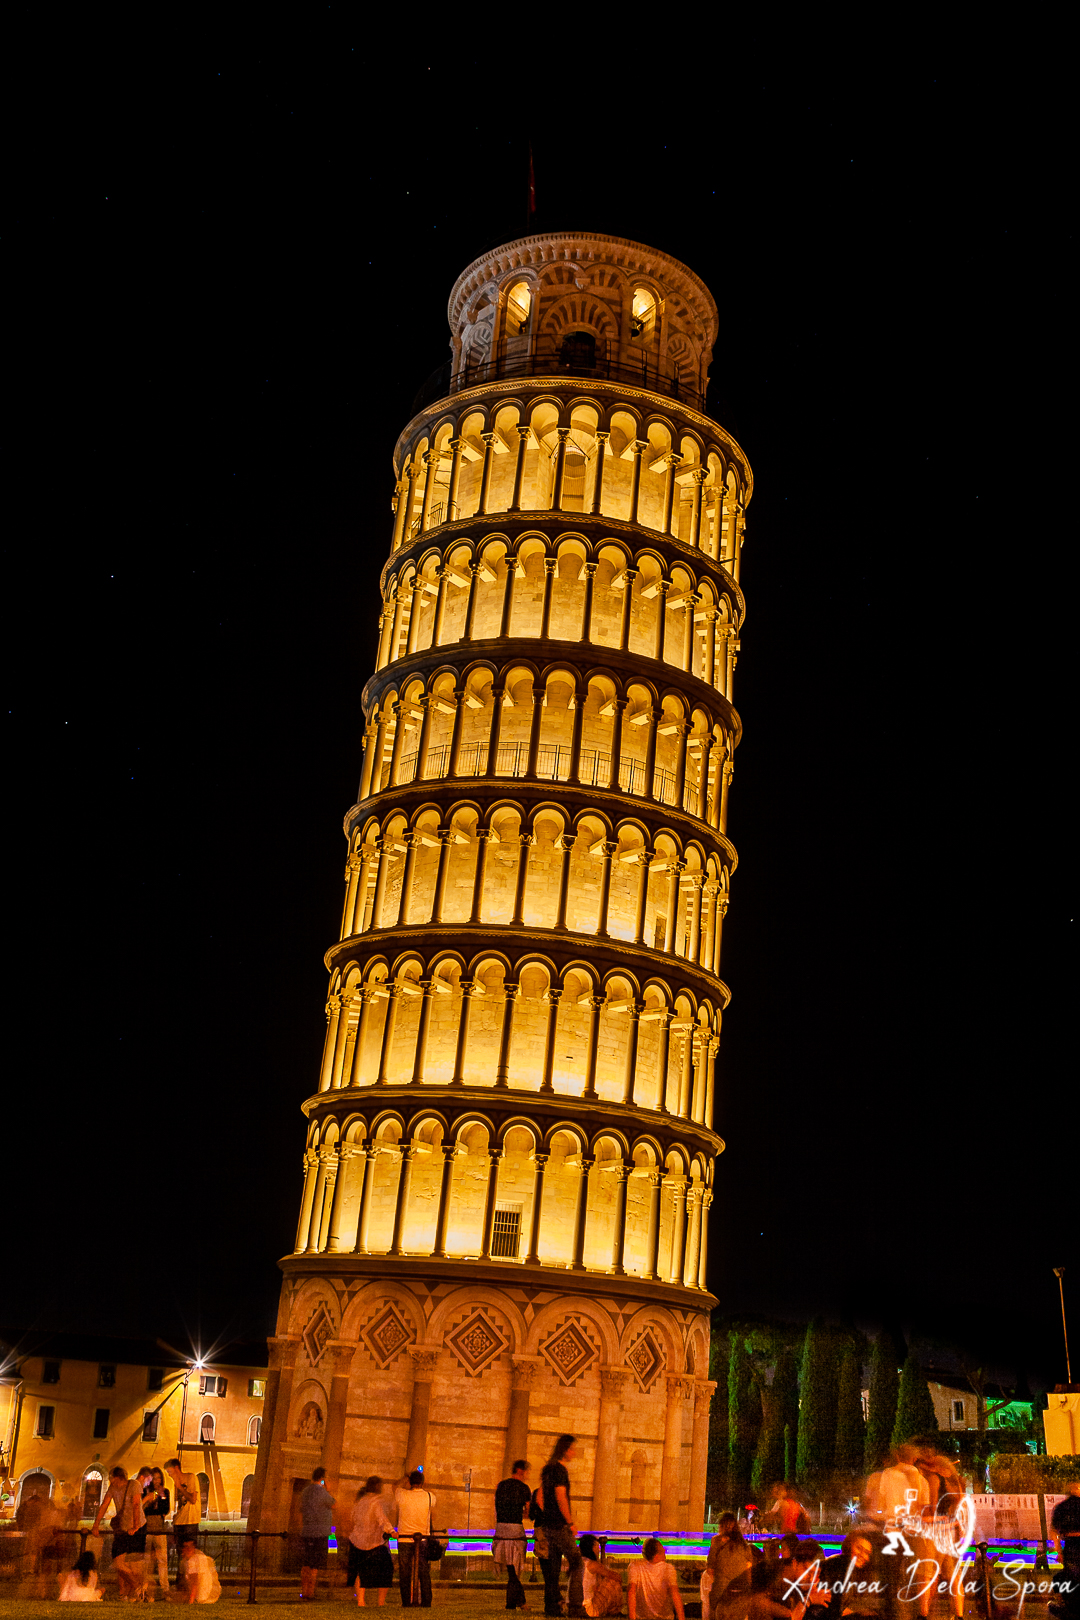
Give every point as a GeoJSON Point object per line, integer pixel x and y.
{"type": "Point", "coordinates": [569, 1352]}
{"type": "Point", "coordinates": [387, 1335]}
{"type": "Point", "coordinates": [477, 1342]}
{"type": "Point", "coordinates": [317, 1334]}
{"type": "Point", "coordinates": [646, 1360]}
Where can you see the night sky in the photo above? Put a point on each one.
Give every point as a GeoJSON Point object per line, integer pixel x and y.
{"type": "Point", "coordinates": [231, 277]}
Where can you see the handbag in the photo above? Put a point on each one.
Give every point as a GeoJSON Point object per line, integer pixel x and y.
{"type": "Point", "coordinates": [433, 1547]}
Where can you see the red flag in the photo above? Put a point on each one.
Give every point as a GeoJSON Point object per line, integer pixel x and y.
{"type": "Point", "coordinates": [532, 184]}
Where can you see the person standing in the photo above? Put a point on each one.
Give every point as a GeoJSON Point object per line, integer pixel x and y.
{"type": "Point", "coordinates": [187, 1511]}
{"type": "Point", "coordinates": [653, 1590]}
{"type": "Point", "coordinates": [371, 1568]}
{"type": "Point", "coordinates": [316, 1522]}
{"type": "Point", "coordinates": [414, 1503]}
{"type": "Point", "coordinates": [557, 1519]}
{"type": "Point", "coordinates": [156, 1505]}
{"type": "Point", "coordinates": [730, 1563]}
{"type": "Point", "coordinates": [512, 1497]}
{"type": "Point", "coordinates": [128, 1519]}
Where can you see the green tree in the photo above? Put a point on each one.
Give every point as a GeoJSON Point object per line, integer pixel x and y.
{"type": "Point", "coordinates": [789, 1452]}
{"type": "Point", "coordinates": [817, 1405]}
{"type": "Point", "coordinates": [884, 1388]}
{"type": "Point", "coordinates": [850, 1443]}
{"type": "Point", "coordinates": [741, 1418]}
{"type": "Point", "coordinates": [915, 1413]}
{"type": "Point", "coordinates": [774, 1374]}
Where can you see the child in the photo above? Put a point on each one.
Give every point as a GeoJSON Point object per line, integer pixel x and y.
{"type": "Point", "coordinates": [80, 1585]}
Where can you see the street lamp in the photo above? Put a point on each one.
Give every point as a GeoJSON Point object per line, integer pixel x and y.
{"type": "Point", "coordinates": [1059, 1273]}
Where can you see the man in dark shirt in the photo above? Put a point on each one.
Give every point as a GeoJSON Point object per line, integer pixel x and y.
{"type": "Point", "coordinates": [316, 1522]}
{"type": "Point", "coordinates": [557, 1519]}
{"type": "Point", "coordinates": [512, 1496]}
{"type": "Point", "coordinates": [1065, 1527]}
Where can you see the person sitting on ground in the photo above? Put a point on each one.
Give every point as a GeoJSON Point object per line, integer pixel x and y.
{"type": "Point", "coordinates": [653, 1591]}
{"type": "Point", "coordinates": [794, 1589]}
{"type": "Point", "coordinates": [80, 1584]}
{"type": "Point", "coordinates": [601, 1585]}
{"type": "Point", "coordinates": [200, 1575]}
{"type": "Point", "coordinates": [730, 1562]}
{"type": "Point", "coordinates": [371, 1568]}
{"type": "Point", "coordinates": [850, 1581]}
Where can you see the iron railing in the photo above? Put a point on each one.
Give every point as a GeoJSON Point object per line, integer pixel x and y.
{"type": "Point", "coordinates": [544, 357]}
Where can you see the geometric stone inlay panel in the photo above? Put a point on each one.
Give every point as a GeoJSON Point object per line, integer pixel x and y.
{"type": "Point", "coordinates": [569, 1351]}
{"type": "Point", "coordinates": [646, 1360]}
{"type": "Point", "coordinates": [317, 1334]}
{"type": "Point", "coordinates": [477, 1342]}
{"type": "Point", "coordinates": [387, 1335]}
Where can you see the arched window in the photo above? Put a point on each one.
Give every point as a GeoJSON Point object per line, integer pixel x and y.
{"type": "Point", "coordinates": [206, 1430]}
{"type": "Point", "coordinates": [578, 352]}
{"type": "Point", "coordinates": [93, 1481]}
{"type": "Point", "coordinates": [254, 1430]}
{"type": "Point", "coordinates": [38, 1484]}
{"type": "Point", "coordinates": [642, 313]}
{"type": "Point", "coordinates": [518, 308]}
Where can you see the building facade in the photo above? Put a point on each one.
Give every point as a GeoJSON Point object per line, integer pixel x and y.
{"type": "Point", "coordinates": [511, 1145]}
{"type": "Point", "coordinates": [75, 1406]}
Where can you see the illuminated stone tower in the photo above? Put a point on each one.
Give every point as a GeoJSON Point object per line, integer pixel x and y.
{"type": "Point", "coordinates": [511, 1142]}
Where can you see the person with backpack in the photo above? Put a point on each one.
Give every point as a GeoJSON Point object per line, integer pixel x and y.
{"type": "Point", "coordinates": [414, 1502]}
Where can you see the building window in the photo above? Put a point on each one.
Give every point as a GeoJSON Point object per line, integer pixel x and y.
{"type": "Point", "coordinates": [578, 351]}
{"type": "Point", "coordinates": [46, 1416]}
{"type": "Point", "coordinates": [958, 1411]}
{"type": "Point", "coordinates": [245, 1495]}
{"type": "Point", "coordinates": [254, 1430]}
{"type": "Point", "coordinates": [206, 1430]}
{"type": "Point", "coordinates": [101, 1423]}
{"type": "Point", "coordinates": [212, 1384]}
{"type": "Point", "coordinates": [518, 304]}
{"type": "Point", "coordinates": [93, 1480]}
{"type": "Point", "coordinates": [256, 1388]}
{"type": "Point", "coordinates": [150, 1423]}
{"type": "Point", "coordinates": [642, 313]}
{"type": "Point", "coordinates": [106, 1378]}
{"type": "Point", "coordinates": [155, 1377]}
{"type": "Point", "coordinates": [507, 1231]}
{"type": "Point", "coordinates": [50, 1373]}
{"type": "Point", "coordinates": [864, 1401]}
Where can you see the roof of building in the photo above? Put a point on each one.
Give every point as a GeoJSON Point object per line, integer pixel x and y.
{"type": "Point", "coordinates": [19, 1344]}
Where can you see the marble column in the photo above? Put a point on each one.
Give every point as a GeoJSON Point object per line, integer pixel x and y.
{"type": "Point", "coordinates": [581, 1221]}
{"type": "Point", "coordinates": [704, 1389]}
{"type": "Point", "coordinates": [606, 1469]}
{"type": "Point", "coordinates": [526, 1369]}
{"type": "Point", "coordinates": [425, 1360]}
{"type": "Point", "coordinates": [598, 481]}
{"type": "Point", "coordinates": [678, 1388]}
{"type": "Point", "coordinates": [540, 1160]}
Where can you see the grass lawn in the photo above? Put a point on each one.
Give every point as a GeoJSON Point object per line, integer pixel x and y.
{"type": "Point", "coordinates": [466, 1605]}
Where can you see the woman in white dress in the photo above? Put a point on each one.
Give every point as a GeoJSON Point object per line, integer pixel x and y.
{"type": "Point", "coordinates": [80, 1585]}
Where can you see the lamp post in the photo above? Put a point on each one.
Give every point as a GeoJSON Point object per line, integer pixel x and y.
{"type": "Point", "coordinates": [1059, 1273]}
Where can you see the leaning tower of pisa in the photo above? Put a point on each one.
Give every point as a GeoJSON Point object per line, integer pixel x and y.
{"type": "Point", "coordinates": [511, 1137]}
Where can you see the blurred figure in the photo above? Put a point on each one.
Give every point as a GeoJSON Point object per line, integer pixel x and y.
{"type": "Point", "coordinates": [80, 1584]}
{"type": "Point", "coordinates": [316, 1522]}
{"type": "Point", "coordinates": [601, 1585]}
{"type": "Point", "coordinates": [187, 1509]}
{"type": "Point", "coordinates": [906, 1495]}
{"type": "Point", "coordinates": [653, 1590]}
{"type": "Point", "coordinates": [730, 1562]}
{"type": "Point", "coordinates": [787, 1514]}
{"type": "Point", "coordinates": [557, 1518]}
{"type": "Point", "coordinates": [200, 1576]}
{"type": "Point", "coordinates": [371, 1568]}
{"type": "Point", "coordinates": [795, 1588]}
{"type": "Point", "coordinates": [125, 1495]}
{"type": "Point", "coordinates": [512, 1497]}
{"type": "Point", "coordinates": [852, 1582]}
{"type": "Point", "coordinates": [946, 1493]}
{"type": "Point", "coordinates": [540, 1541]}
{"type": "Point", "coordinates": [1065, 1529]}
{"type": "Point", "coordinates": [156, 1504]}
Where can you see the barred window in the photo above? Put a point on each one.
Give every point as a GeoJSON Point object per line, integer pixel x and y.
{"type": "Point", "coordinates": [45, 1419]}
{"type": "Point", "coordinates": [504, 1241]}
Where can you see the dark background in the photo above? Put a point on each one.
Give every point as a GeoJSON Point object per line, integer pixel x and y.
{"type": "Point", "coordinates": [231, 264]}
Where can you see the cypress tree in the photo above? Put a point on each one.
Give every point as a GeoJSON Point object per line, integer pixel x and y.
{"type": "Point", "coordinates": [817, 1405]}
{"type": "Point", "coordinates": [915, 1413]}
{"type": "Point", "coordinates": [789, 1453]}
{"type": "Point", "coordinates": [850, 1442]}
{"type": "Point", "coordinates": [884, 1388]}
{"type": "Point", "coordinates": [740, 1420]}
